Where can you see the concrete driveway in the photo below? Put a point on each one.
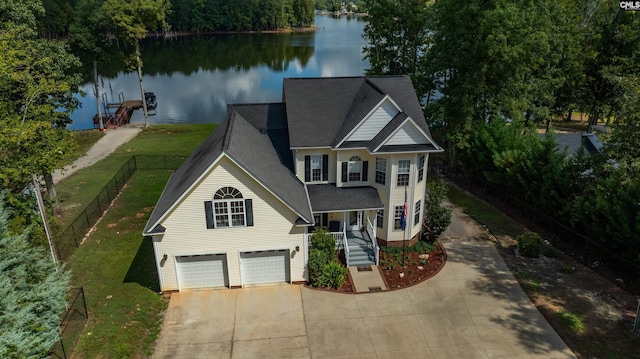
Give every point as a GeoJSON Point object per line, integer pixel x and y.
{"type": "Point", "coordinates": [473, 308]}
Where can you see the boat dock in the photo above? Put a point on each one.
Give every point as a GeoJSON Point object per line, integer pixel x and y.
{"type": "Point", "coordinates": [123, 110]}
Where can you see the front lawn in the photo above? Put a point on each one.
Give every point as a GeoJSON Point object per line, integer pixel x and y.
{"type": "Point", "coordinates": [116, 267]}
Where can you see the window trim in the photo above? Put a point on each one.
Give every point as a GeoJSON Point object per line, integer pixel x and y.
{"type": "Point", "coordinates": [417, 210]}
{"type": "Point", "coordinates": [320, 168]}
{"type": "Point", "coordinates": [224, 200]}
{"type": "Point", "coordinates": [421, 162]}
{"type": "Point", "coordinates": [381, 174]}
{"type": "Point", "coordinates": [397, 218]}
{"type": "Point", "coordinates": [353, 161]}
{"type": "Point", "coordinates": [380, 219]}
{"type": "Point", "coordinates": [403, 174]}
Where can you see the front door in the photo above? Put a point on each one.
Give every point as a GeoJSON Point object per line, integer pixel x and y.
{"type": "Point", "coordinates": [355, 221]}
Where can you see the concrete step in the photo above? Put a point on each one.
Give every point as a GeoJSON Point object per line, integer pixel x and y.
{"type": "Point", "coordinates": [361, 257]}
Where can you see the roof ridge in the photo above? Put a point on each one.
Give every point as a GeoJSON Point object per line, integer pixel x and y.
{"type": "Point", "coordinates": [227, 135]}
{"type": "Point", "coordinates": [374, 86]}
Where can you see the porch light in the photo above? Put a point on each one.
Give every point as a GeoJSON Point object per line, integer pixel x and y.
{"type": "Point", "coordinates": [297, 248]}
{"type": "Point", "coordinates": [165, 256]}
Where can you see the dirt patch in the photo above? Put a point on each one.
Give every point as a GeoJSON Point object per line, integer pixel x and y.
{"type": "Point", "coordinates": [111, 225]}
{"type": "Point", "coordinates": [140, 215]}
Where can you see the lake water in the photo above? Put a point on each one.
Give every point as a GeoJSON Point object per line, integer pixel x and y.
{"type": "Point", "coordinates": [195, 77]}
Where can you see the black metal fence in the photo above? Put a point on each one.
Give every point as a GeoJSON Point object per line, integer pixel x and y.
{"type": "Point", "coordinates": [582, 248]}
{"type": "Point", "coordinates": [69, 239]}
{"type": "Point", "coordinates": [73, 322]}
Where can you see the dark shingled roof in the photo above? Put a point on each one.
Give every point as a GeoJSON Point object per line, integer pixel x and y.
{"type": "Point", "coordinates": [321, 111]}
{"type": "Point", "coordinates": [328, 197]}
{"type": "Point", "coordinates": [387, 131]}
{"type": "Point", "coordinates": [254, 151]}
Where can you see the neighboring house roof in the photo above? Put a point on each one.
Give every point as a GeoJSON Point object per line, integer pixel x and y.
{"type": "Point", "coordinates": [254, 151]}
{"type": "Point", "coordinates": [321, 112]}
{"type": "Point", "coordinates": [572, 142]}
{"type": "Point", "coordinates": [328, 198]}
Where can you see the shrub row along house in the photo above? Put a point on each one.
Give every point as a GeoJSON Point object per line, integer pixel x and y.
{"type": "Point", "coordinates": [346, 154]}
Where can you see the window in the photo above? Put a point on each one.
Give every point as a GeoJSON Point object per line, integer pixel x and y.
{"type": "Point", "coordinates": [420, 168]}
{"type": "Point", "coordinates": [380, 219]}
{"type": "Point", "coordinates": [397, 216]}
{"type": "Point", "coordinates": [404, 168]}
{"type": "Point", "coordinates": [381, 170]}
{"type": "Point", "coordinates": [416, 216]}
{"type": "Point", "coordinates": [355, 169]}
{"type": "Point", "coordinates": [316, 168]}
{"type": "Point", "coordinates": [228, 208]}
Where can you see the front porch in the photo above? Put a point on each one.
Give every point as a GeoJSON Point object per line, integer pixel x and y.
{"type": "Point", "coordinates": [358, 242]}
{"type": "Point", "coordinates": [350, 215]}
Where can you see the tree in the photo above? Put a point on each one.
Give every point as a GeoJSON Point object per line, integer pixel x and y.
{"type": "Point", "coordinates": [87, 37]}
{"type": "Point", "coordinates": [33, 298]}
{"type": "Point", "coordinates": [397, 35]}
{"type": "Point", "coordinates": [36, 97]}
{"type": "Point", "coordinates": [437, 217]}
{"type": "Point", "coordinates": [133, 19]}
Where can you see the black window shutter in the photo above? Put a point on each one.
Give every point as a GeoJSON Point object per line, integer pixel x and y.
{"type": "Point", "coordinates": [307, 168]}
{"type": "Point", "coordinates": [365, 171]}
{"type": "Point", "coordinates": [325, 219]}
{"type": "Point", "coordinates": [208, 211]}
{"type": "Point", "coordinates": [248, 210]}
{"type": "Point", "coordinates": [325, 167]}
{"type": "Point", "coordinates": [345, 174]}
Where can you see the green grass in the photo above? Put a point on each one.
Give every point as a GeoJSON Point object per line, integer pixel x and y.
{"type": "Point", "coordinates": [78, 190]}
{"type": "Point", "coordinates": [117, 269]}
{"type": "Point", "coordinates": [572, 321]}
{"type": "Point", "coordinates": [499, 223]}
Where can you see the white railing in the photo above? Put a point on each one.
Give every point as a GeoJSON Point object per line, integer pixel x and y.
{"type": "Point", "coordinates": [371, 230]}
{"type": "Point", "coordinates": [346, 245]}
{"type": "Point", "coordinates": [337, 237]}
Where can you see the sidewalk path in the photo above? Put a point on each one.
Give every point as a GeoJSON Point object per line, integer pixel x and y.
{"type": "Point", "coordinates": [112, 139]}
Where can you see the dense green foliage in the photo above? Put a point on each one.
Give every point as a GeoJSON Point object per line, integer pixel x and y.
{"type": "Point", "coordinates": [529, 244]}
{"type": "Point", "coordinates": [323, 266]}
{"type": "Point", "coordinates": [436, 216]}
{"type": "Point", "coordinates": [489, 71]}
{"type": "Point", "coordinates": [33, 295]}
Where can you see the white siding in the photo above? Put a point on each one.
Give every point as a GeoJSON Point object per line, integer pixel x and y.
{"type": "Point", "coordinates": [397, 199]}
{"type": "Point", "coordinates": [407, 135]}
{"type": "Point", "coordinates": [370, 127]}
{"type": "Point", "coordinates": [186, 232]}
{"type": "Point", "coordinates": [345, 155]}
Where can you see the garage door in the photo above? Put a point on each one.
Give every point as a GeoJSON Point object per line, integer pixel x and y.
{"type": "Point", "coordinates": [265, 267]}
{"type": "Point", "coordinates": [202, 271]}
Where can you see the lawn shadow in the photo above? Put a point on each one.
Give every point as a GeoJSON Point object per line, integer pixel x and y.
{"type": "Point", "coordinates": [143, 269]}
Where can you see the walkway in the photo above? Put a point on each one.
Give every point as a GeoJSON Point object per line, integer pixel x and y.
{"type": "Point", "coordinates": [112, 139]}
{"type": "Point", "coordinates": [473, 308]}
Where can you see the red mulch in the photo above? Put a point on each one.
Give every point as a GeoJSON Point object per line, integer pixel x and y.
{"type": "Point", "coordinates": [414, 272]}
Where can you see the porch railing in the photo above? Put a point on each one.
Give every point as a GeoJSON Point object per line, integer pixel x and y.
{"type": "Point", "coordinates": [371, 230]}
{"type": "Point", "coordinates": [337, 237]}
{"type": "Point", "coordinates": [346, 245]}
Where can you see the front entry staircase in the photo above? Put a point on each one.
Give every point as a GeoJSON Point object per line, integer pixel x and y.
{"type": "Point", "coordinates": [360, 251]}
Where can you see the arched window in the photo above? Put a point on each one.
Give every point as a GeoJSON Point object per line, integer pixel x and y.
{"type": "Point", "coordinates": [355, 168]}
{"type": "Point", "coordinates": [228, 208]}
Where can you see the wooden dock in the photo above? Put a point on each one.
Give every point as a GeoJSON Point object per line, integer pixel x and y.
{"type": "Point", "coordinates": [120, 117]}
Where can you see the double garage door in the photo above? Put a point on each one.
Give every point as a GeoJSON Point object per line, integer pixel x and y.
{"type": "Point", "coordinates": [209, 271]}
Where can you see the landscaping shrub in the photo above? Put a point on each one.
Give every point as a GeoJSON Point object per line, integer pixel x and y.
{"type": "Point", "coordinates": [317, 261]}
{"type": "Point", "coordinates": [529, 244]}
{"type": "Point", "coordinates": [323, 241]}
{"type": "Point", "coordinates": [333, 275]}
{"type": "Point", "coordinates": [437, 217]}
{"type": "Point", "coordinates": [423, 247]}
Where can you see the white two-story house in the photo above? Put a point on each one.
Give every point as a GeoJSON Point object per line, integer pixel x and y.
{"type": "Point", "coordinates": [347, 154]}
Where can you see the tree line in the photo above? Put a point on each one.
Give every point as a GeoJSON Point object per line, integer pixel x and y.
{"type": "Point", "coordinates": [491, 73]}
{"type": "Point", "coordinates": [198, 15]}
